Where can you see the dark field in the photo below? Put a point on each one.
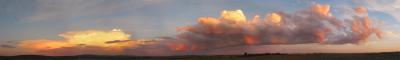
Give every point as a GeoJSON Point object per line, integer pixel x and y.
{"type": "Point", "coordinates": [324, 56]}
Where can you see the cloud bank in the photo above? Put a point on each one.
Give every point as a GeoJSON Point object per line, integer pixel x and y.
{"type": "Point", "coordinates": [233, 33]}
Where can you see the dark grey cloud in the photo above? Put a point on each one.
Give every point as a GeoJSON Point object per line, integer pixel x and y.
{"type": "Point", "coordinates": [116, 41]}
{"type": "Point", "coordinates": [7, 46]}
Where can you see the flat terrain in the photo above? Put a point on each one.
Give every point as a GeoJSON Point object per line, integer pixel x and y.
{"type": "Point", "coordinates": [324, 56]}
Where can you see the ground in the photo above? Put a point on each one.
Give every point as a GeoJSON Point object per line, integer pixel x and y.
{"type": "Point", "coordinates": [317, 56]}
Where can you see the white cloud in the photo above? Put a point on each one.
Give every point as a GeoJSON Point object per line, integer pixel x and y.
{"type": "Point", "coordinates": [391, 7]}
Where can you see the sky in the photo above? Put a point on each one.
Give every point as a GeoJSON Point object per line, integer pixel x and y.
{"type": "Point", "coordinates": [146, 18]}
{"type": "Point", "coordinates": [22, 20]}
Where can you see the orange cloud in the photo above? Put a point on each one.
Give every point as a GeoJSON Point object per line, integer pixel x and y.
{"type": "Point", "coordinates": [38, 45]}
{"type": "Point", "coordinates": [82, 41]}
{"type": "Point", "coordinates": [322, 9]}
{"type": "Point", "coordinates": [234, 16]}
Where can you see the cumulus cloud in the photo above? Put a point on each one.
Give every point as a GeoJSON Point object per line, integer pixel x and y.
{"type": "Point", "coordinates": [312, 25]}
{"type": "Point", "coordinates": [82, 42]}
